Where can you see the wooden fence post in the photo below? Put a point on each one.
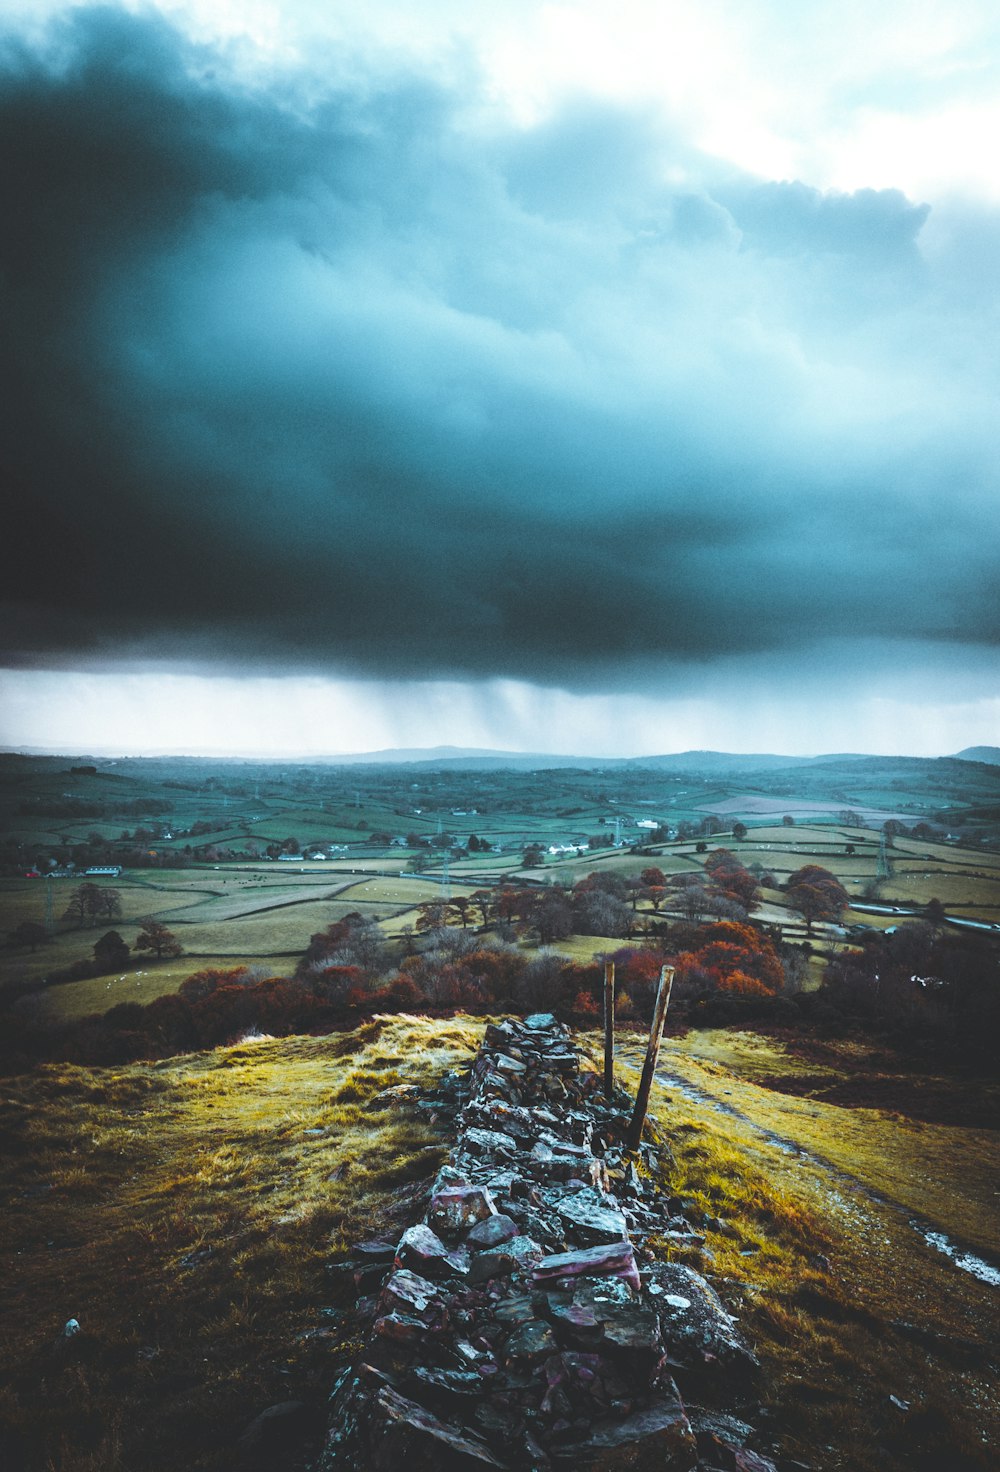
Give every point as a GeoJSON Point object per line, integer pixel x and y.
{"type": "Point", "coordinates": [609, 1028]}
{"type": "Point", "coordinates": [652, 1053]}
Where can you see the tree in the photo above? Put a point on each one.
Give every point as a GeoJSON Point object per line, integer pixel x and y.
{"type": "Point", "coordinates": [653, 876]}
{"type": "Point", "coordinates": [463, 904]}
{"type": "Point", "coordinates": [534, 855]}
{"type": "Point", "coordinates": [553, 917]}
{"type": "Point", "coordinates": [934, 913]}
{"type": "Point", "coordinates": [816, 894]}
{"type": "Point", "coordinates": [731, 879]}
{"type": "Point", "coordinates": [636, 889]}
{"type": "Point", "coordinates": [111, 952]}
{"type": "Point", "coordinates": [85, 903]}
{"type": "Point", "coordinates": [788, 821]}
{"type": "Point", "coordinates": [154, 936]}
{"type": "Point", "coordinates": [28, 933]}
{"type": "Point", "coordinates": [483, 900]}
{"type": "Point", "coordinates": [354, 942]}
{"type": "Point", "coordinates": [739, 831]}
{"type": "Point", "coordinates": [435, 915]}
{"type": "Point", "coordinates": [600, 912]}
{"type": "Point", "coordinates": [732, 957]}
{"type": "Point", "coordinates": [692, 898]}
{"type": "Point", "coordinates": [108, 904]}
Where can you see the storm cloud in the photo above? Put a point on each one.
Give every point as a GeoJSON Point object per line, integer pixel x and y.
{"type": "Point", "coordinates": [358, 377]}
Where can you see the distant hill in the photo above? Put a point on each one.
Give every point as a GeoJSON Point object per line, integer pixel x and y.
{"type": "Point", "coordinates": [988, 754]}
{"type": "Point", "coordinates": [708, 764]}
{"type": "Point", "coordinates": [726, 761]}
{"type": "Point", "coordinates": [467, 757]}
{"type": "Point", "coordinates": [473, 758]}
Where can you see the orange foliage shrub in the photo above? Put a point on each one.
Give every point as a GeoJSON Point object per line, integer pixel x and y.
{"type": "Point", "coordinates": [735, 958]}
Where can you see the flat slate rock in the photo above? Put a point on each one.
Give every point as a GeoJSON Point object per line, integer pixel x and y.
{"type": "Point", "coordinates": [532, 1341]}
{"type": "Point", "coordinates": [500, 1262]}
{"type": "Point", "coordinates": [492, 1232]}
{"type": "Point", "coordinates": [615, 1259]}
{"type": "Point", "coordinates": [488, 1142]}
{"type": "Point", "coordinates": [405, 1434]}
{"type": "Point", "coordinates": [423, 1252]}
{"type": "Point", "coordinates": [591, 1218]}
{"type": "Point", "coordinates": [657, 1439]}
{"type": "Point", "coordinates": [696, 1328]}
{"type": "Point", "coordinates": [454, 1209]}
{"type": "Point", "coordinates": [407, 1292]}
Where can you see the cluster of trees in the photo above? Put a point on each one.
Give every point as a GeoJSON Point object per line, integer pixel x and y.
{"type": "Point", "coordinates": [348, 972]}
{"type": "Point", "coordinates": [112, 952]}
{"type": "Point", "coordinates": [731, 879]}
{"type": "Point", "coordinates": [73, 807]}
{"type": "Point", "coordinates": [595, 905]}
{"type": "Point", "coordinates": [919, 985]}
{"type": "Point", "coordinates": [726, 890]}
{"type": "Point", "coordinates": [92, 902]}
{"type": "Point", "coordinates": [606, 903]}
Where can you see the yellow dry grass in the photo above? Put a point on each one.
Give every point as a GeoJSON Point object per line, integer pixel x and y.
{"type": "Point", "coordinates": [842, 1297]}
{"type": "Point", "coordinates": [185, 1213]}
{"type": "Point", "coordinates": [947, 1173]}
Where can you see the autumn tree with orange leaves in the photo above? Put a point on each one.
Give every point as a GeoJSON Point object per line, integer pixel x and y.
{"type": "Point", "coordinates": [732, 958]}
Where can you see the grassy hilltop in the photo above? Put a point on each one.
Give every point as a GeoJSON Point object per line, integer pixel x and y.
{"type": "Point", "coordinates": [188, 1213]}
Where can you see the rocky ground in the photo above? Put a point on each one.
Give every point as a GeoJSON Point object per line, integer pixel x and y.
{"type": "Point", "coordinates": [524, 1323]}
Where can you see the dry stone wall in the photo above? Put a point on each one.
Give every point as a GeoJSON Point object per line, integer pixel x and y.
{"type": "Point", "coordinates": [522, 1324]}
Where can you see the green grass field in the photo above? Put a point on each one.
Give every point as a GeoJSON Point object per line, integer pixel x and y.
{"type": "Point", "coordinates": [267, 912]}
{"type": "Point", "coordinates": [240, 909]}
{"type": "Point", "coordinates": [220, 917]}
{"type": "Point", "coordinates": [150, 980]}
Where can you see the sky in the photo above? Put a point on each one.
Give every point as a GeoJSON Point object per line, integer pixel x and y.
{"type": "Point", "coordinates": [556, 377]}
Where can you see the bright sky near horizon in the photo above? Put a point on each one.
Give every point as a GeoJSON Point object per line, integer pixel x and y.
{"type": "Point", "coordinates": [561, 377]}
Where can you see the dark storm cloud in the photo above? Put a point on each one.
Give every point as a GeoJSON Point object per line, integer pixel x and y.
{"type": "Point", "coordinates": [353, 384]}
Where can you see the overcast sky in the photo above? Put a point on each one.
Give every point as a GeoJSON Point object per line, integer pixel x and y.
{"type": "Point", "coordinates": [579, 377]}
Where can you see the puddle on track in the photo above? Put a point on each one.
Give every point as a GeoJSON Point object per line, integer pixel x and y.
{"type": "Point", "coordinates": [958, 1256]}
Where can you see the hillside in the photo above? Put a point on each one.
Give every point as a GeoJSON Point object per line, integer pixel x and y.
{"type": "Point", "coordinates": [232, 1182]}
{"type": "Point", "coordinates": [988, 754]}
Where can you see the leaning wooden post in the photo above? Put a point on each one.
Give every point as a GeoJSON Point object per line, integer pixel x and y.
{"type": "Point", "coordinates": [609, 1028]}
{"type": "Point", "coordinates": [652, 1053]}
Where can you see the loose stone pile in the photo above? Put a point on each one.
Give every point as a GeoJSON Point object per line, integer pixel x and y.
{"type": "Point", "coordinates": [521, 1324]}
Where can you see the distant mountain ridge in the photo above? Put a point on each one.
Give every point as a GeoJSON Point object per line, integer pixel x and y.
{"type": "Point", "coordinates": [474, 758]}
